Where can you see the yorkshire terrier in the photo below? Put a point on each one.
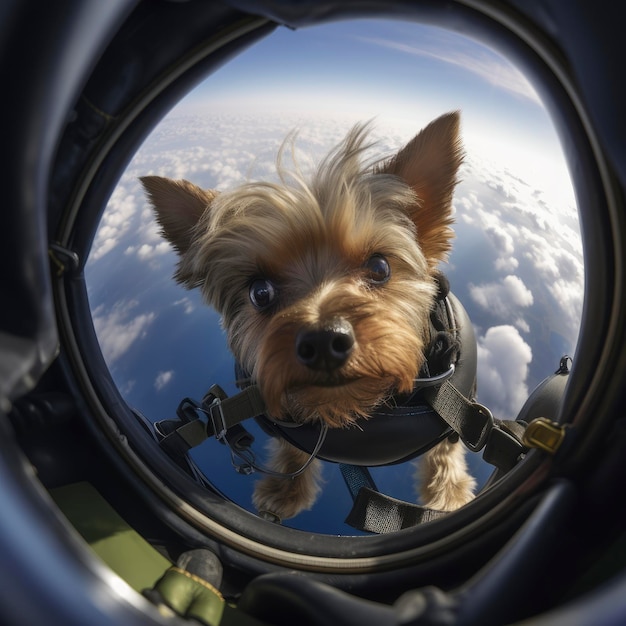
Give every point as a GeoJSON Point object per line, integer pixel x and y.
{"type": "Point", "coordinates": [325, 287]}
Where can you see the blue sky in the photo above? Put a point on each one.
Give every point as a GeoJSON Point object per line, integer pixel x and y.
{"type": "Point", "coordinates": [517, 261]}
{"type": "Point", "coordinates": [391, 71]}
{"type": "Point", "coordinates": [400, 66]}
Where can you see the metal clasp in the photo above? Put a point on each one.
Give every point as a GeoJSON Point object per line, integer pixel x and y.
{"type": "Point", "coordinates": [544, 434]}
{"type": "Point", "coordinates": [487, 426]}
{"type": "Point", "coordinates": [218, 420]}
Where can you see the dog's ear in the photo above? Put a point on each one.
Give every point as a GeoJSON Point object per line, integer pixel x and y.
{"type": "Point", "coordinates": [429, 164]}
{"type": "Point", "coordinates": [178, 205]}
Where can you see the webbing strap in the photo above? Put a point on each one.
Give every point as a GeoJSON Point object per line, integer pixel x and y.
{"type": "Point", "coordinates": [502, 439]}
{"type": "Point", "coordinates": [226, 412]}
{"type": "Point", "coordinates": [471, 420]}
{"type": "Point", "coordinates": [378, 513]}
{"type": "Point", "coordinates": [356, 477]}
{"type": "Point", "coordinates": [192, 433]}
{"type": "Point", "coordinates": [177, 440]}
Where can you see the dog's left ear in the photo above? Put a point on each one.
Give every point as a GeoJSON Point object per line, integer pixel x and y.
{"type": "Point", "coordinates": [429, 164]}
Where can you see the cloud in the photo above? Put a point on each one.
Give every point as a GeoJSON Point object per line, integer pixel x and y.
{"type": "Point", "coordinates": [146, 252]}
{"type": "Point", "coordinates": [503, 361]}
{"type": "Point", "coordinates": [162, 379]}
{"type": "Point", "coordinates": [534, 235]}
{"type": "Point", "coordinates": [506, 264]}
{"type": "Point", "coordinates": [117, 330]}
{"type": "Point", "coordinates": [502, 240]}
{"type": "Point", "coordinates": [187, 304]}
{"type": "Point", "coordinates": [502, 298]}
{"type": "Point", "coordinates": [522, 325]}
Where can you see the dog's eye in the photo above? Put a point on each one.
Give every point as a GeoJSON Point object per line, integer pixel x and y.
{"type": "Point", "coordinates": [378, 270]}
{"type": "Point", "coordinates": [262, 293]}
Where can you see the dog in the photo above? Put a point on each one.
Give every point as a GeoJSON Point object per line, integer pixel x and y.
{"type": "Point", "coordinates": [324, 286]}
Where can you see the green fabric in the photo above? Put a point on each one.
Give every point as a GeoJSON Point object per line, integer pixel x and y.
{"type": "Point", "coordinates": [194, 598]}
{"type": "Point", "coordinates": [129, 555]}
{"type": "Point", "coordinates": [133, 559]}
{"type": "Point", "coordinates": [190, 596]}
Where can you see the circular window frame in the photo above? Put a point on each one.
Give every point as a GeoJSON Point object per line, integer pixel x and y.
{"type": "Point", "coordinates": [506, 504]}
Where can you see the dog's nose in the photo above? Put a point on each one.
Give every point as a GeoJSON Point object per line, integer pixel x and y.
{"type": "Point", "coordinates": [326, 348]}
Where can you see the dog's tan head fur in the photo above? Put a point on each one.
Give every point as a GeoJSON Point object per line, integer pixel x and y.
{"type": "Point", "coordinates": [349, 255]}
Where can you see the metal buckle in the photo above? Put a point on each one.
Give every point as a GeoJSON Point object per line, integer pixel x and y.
{"type": "Point", "coordinates": [486, 429]}
{"type": "Point", "coordinates": [544, 434]}
{"type": "Point", "coordinates": [218, 429]}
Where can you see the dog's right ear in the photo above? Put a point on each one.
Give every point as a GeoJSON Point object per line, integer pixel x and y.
{"type": "Point", "coordinates": [179, 205]}
{"type": "Point", "coordinates": [429, 165]}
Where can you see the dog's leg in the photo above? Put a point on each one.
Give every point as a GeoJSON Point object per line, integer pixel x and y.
{"type": "Point", "coordinates": [445, 483]}
{"type": "Point", "coordinates": [286, 497]}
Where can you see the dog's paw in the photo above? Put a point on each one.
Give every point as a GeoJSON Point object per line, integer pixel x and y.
{"type": "Point", "coordinates": [278, 499]}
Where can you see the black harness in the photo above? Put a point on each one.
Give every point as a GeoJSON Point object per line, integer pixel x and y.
{"type": "Point", "coordinates": [442, 405]}
{"type": "Point", "coordinates": [406, 425]}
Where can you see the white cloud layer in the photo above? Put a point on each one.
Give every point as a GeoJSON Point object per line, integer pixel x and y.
{"type": "Point", "coordinates": [533, 232]}
{"type": "Point", "coordinates": [530, 242]}
{"type": "Point", "coordinates": [115, 222]}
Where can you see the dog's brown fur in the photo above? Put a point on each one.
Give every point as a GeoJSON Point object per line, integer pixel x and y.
{"type": "Point", "coordinates": [319, 245]}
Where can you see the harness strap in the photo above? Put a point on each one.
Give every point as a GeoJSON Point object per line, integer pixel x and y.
{"type": "Point", "coordinates": [471, 420]}
{"type": "Point", "coordinates": [378, 513]}
{"type": "Point", "coordinates": [475, 424]}
{"type": "Point", "coordinates": [225, 412]}
{"type": "Point", "coordinates": [375, 512]}
{"type": "Point", "coordinates": [356, 477]}
{"type": "Point", "coordinates": [224, 417]}
{"type": "Point", "coordinates": [502, 439]}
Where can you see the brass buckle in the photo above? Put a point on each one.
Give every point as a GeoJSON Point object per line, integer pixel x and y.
{"type": "Point", "coordinates": [544, 434]}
